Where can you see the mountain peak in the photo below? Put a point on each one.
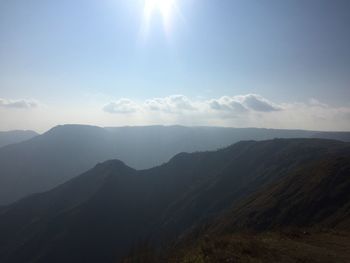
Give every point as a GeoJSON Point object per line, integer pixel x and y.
{"type": "Point", "coordinates": [114, 165]}
{"type": "Point", "coordinates": [72, 127]}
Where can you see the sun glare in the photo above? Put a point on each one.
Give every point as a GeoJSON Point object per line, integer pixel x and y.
{"type": "Point", "coordinates": [165, 8]}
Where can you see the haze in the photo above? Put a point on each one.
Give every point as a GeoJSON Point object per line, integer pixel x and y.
{"type": "Point", "coordinates": [177, 131]}
{"type": "Point", "coordinates": [273, 64]}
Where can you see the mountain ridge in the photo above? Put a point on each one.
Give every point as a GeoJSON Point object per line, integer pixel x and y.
{"type": "Point", "coordinates": [122, 206]}
{"type": "Point", "coordinates": [58, 155]}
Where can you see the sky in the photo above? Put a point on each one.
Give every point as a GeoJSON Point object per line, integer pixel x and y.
{"type": "Point", "coordinates": [235, 63]}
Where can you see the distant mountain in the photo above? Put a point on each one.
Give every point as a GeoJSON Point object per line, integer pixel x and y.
{"type": "Point", "coordinates": [340, 136]}
{"type": "Point", "coordinates": [63, 152]}
{"type": "Point", "coordinates": [10, 137]}
{"type": "Point", "coordinates": [100, 215]}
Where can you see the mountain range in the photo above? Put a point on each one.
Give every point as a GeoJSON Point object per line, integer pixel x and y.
{"type": "Point", "coordinates": [10, 137]}
{"type": "Point", "coordinates": [47, 160]}
{"type": "Point", "coordinates": [102, 214]}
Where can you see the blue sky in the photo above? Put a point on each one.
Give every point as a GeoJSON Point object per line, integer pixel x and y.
{"type": "Point", "coordinates": [67, 61]}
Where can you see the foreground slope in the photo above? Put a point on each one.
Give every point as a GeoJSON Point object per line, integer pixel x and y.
{"type": "Point", "coordinates": [65, 151]}
{"type": "Point", "coordinates": [255, 166]}
{"type": "Point", "coordinates": [316, 194]}
{"type": "Point", "coordinates": [305, 217]}
{"type": "Point", "coordinates": [287, 246]}
{"type": "Point", "coordinates": [100, 215]}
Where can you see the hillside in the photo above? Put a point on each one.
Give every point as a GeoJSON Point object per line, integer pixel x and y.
{"type": "Point", "coordinates": [290, 246]}
{"type": "Point", "coordinates": [43, 162]}
{"type": "Point", "coordinates": [254, 167]}
{"type": "Point", "coordinates": [316, 194]}
{"type": "Point", "coordinates": [10, 137]}
{"type": "Point", "coordinates": [302, 218]}
{"type": "Point", "coordinates": [100, 215]}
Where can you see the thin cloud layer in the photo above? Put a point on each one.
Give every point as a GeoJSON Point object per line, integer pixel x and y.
{"type": "Point", "coordinates": [250, 110]}
{"type": "Point", "coordinates": [18, 104]}
{"type": "Point", "coordinates": [181, 104]}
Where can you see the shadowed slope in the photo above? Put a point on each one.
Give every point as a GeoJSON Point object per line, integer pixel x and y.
{"type": "Point", "coordinates": [100, 215]}
{"type": "Point", "coordinates": [65, 151]}
{"type": "Point", "coordinates": [316, 194]}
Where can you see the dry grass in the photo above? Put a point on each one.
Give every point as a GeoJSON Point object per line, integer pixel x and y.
{"type": "Point", "coordinates": [287, 246]}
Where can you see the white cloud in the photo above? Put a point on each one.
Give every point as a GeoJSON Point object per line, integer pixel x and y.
{"type": "Point", "coordinates": [171, 104]}
{"type": "Point", "coordinates": [250, 110]}
{"type": "Point", "coordinates": [231, 104]}
{"type": "Point", "coordinates": [258, 103]}
{"type": "Point", "coordinates": [122, 106]}
{"type": "Point", "coordinates": [18, 104]}
{"type": "Point", "coordinates": [243, 103]}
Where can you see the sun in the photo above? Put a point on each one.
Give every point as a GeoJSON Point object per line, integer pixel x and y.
{"type": "Point", "coordinates": [165, 8]}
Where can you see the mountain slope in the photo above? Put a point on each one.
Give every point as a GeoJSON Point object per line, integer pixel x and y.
{"type": "Point", "coordinates": [49, 159]}
{"type": "Point", "coordinates": [305, 217]}
{"type": "Point", "coordinates": [65, 151]}
{"type": "Point", "coordinates": [288, 246]}
{"type": "Point", "coordinates": [10, 137]}
{"type": "Point", "coordinates": [100, 215]}
{"type": "Point", "coordinates": [316, 194]}
{"type": "Point", "coordinates": [340, 136]}
{"type": "Point", "coordinates": [255, 165]}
